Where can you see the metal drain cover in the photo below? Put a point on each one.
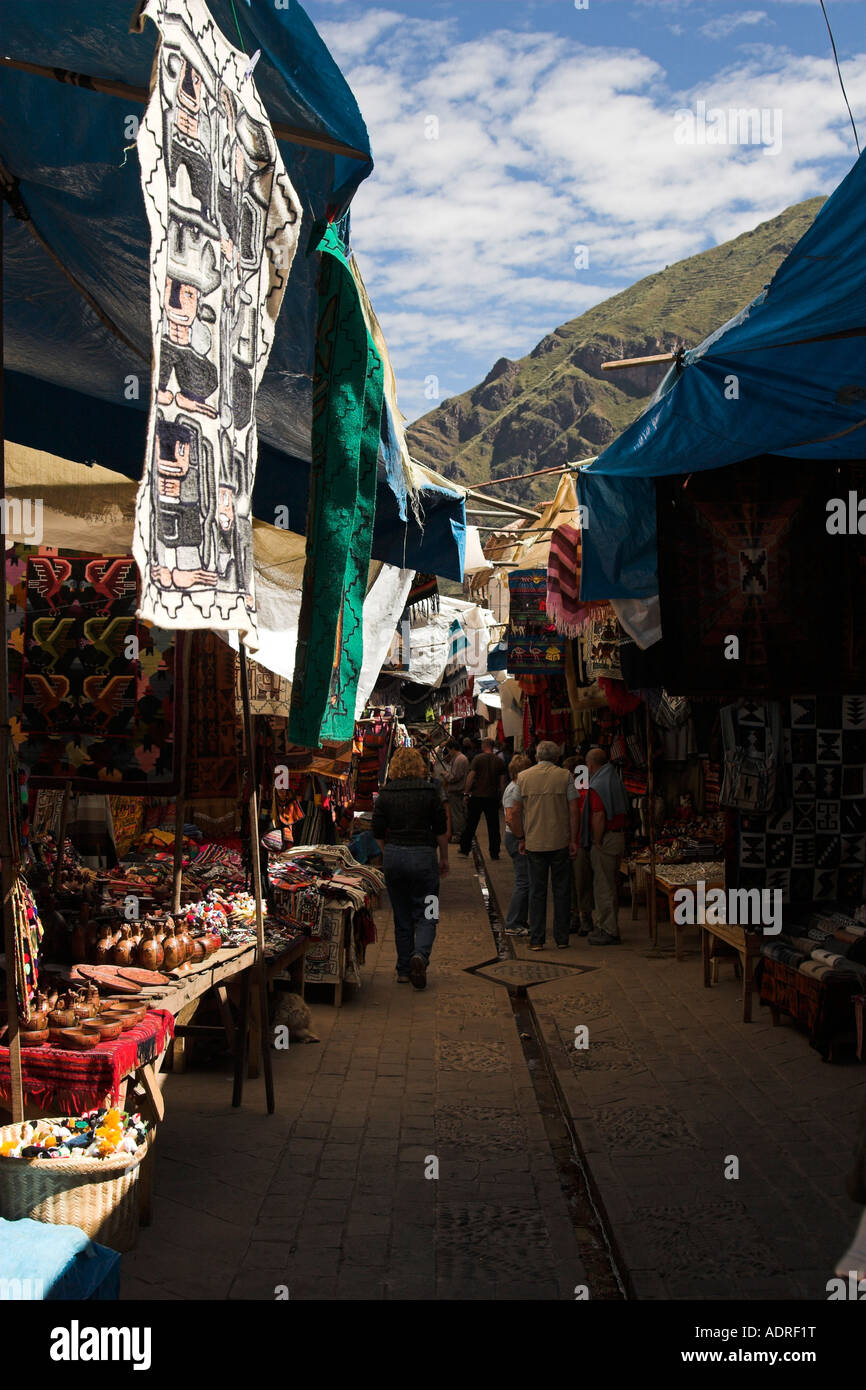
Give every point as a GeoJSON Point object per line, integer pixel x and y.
{"type": "Point", "coordinates": [520, 973]}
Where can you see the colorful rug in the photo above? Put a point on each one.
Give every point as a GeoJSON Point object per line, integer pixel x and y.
{"type": "Point", "coordinates": [134, 755]}
{"type": "Point", "coordinates": [270, 694]}
{"type": "Point", "coordinates": [348, 393]}
{"type": "Point", "coordinates": [212, 722]}
{"type": "Point", "coordinates": [744, 552]}
{"type": "Point", "coordinates": [814, 849]}
{"type": "Point", "coordinates": [224, 224]}
{"type": "Point", "coordinates": [423, 595]}
{"type": "Point", "coordinates": [563, 581]}
{"type": "Point", "coordinates": [601, 645]}
{"type": "Point", "coordinates": [534, 645]}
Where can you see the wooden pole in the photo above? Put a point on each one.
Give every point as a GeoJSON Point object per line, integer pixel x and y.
{"type": "Point", "coordinates": [180, 803]}
{"type": "Point", "coordinates": [260, 982]}
{"type": "Point", "coordinates": [537, 473]}
{"type": "Point", "coordinates": [110, 87]}
{"type": "Point", "coordinates": [639, 361]}
{"type": "Point", "coordinates": [651, 825]}
{"type": "Point", "coordinates": [7, 874]}
{"type": "Point", "coordinates": [61, 833]}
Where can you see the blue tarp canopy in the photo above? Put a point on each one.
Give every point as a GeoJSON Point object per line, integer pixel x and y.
{"type": "Point", "coordinates": [786, 376]}
{"type": "Point", "coordinates": [79, 388]}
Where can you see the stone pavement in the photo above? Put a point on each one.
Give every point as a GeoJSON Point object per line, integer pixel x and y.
{"type": "Point", "coordinates": [673, 1083]}
{"type": "Point", "coordinates": [328, 1197]}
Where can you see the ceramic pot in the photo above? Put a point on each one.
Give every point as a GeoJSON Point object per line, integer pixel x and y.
{"type": "Point", "coordinates": [122, 952]}
{"type": "Point", "coordinates": [148, 954]}
{"type": "Point", "coordinates": [185, 940]}
{"type": "Point", "coordinates": [81, 1007]}
{"type": "Point", "coordinates": [104, 947]}
{"type": "Point", "coordinates": [37, 1022]}
{"type": "Point", "coordinates": [199, 950]}
{"type": "Point", "coordinates": [92, 996]}
{"type": "Point", "coordinates": [77, 1039]}
{"type": "Point", "coordinates": [106, 1028]}
{"type": "Point", "coordinates": [172, 950]}
{"type": "Point", "coordinates": [63, 1016]}
{"type": "Point", "coordinates": [125, 1019]}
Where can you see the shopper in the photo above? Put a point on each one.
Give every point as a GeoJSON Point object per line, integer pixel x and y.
{"type": "Point", "coordinates": [485, 783]}
{"type": "Point", "coordinates": [410, 821]}
{"type": "Point", "coordinates": [603, 827]}
{"type": "Point", "coordinates": [582, 892]}
{"type": "Point", "coordinates": [547, 827]}
{"type": "Point", "coordinates": [517, 920]}
{"type": "Point", "coordinates": [457, 768]}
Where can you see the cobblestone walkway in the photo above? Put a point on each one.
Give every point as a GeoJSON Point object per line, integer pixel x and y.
{"type": "Point", "coordinates": [672, 1084]}
{"type": "Point", "coordinates": [329, 1197]}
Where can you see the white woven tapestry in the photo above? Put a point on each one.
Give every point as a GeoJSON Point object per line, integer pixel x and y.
{"type": "Point", "coordinates": [224, 223]}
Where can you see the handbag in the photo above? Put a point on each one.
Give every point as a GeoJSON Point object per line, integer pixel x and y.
{"type": "Point", "coordinates": [750, 780]}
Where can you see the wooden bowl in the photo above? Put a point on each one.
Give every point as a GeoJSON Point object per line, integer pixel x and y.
{"type": "Point", "coordinates": [35, 1038]}
{"type": "Point", "coordinates": [78, 1040]}
{"type": "Point", "coordinates": [104, 1027]}
{"type": "Point", "coordinates": [126, 1020]}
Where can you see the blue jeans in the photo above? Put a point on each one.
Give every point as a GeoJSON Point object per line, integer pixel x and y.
{"type": "Point", "coordinates": [412, 880]}
{"type": "Point", "coordinates": [518, 908]}
{"type": "Point", "coordinates": [558, 862]}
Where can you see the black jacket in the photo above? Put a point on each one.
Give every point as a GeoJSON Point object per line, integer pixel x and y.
{"type": "Point", "coordinates": [409, 812]}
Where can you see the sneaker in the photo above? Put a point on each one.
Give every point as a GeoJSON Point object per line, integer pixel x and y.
{"type": "Point", "coordinates": [603, 938]}
{"type": "Point", "coordinates": [402, 979]}
{"type": "Point", "coordinates": [418, 972]}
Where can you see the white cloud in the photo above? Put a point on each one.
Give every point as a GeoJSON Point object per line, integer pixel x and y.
{"type": "Point", "coordinates": [726, 24]}
{"type": "Point", "coordinates": [467, 241]}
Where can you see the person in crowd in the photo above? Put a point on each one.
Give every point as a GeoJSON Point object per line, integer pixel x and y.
{"type": "Point", "coordinates": [517, 920]}
{"type": "Point", "coordinates": [436, 773]}
{"type": "Point", "coordinates": [410, 823]}
{"type": "Point", "coordinates": [582, 892]}
{"type": "Point", "coordinates": [485, 783]}
{"type": "Point", "coordinates": [547, 828]}
{"type": "Point", "coordinates": [457, 766]}
{"type": "Point", "coordinates": [603, 826]}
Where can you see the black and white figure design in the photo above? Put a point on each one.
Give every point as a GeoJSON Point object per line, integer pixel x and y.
{"type": "Point", "coordinates": [224, 223]}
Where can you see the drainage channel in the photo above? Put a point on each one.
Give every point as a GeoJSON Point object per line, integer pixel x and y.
{"type": "Point", "coordinates": [590, 1225]}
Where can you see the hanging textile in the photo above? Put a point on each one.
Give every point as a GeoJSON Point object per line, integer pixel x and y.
{"type": "Point", "coordinates": [732, 563]}
{"type": "Point", "coordinates": [92, 690]}
{"type": "Point", "coordinates": [212, 722]}
{"type": "Point", "coordinates": [270, 693]}
{"type": "Point", "coordinates": [563, 581]}
{"type": "Point", "coordinates": [224, 224]}
{"type": "Point", "coordinates": [348, 394]}
{"type": "Point", "coordinates": [602, 641]}
{"type": "Point", "coordinates": [27, 933]}
{"type": "Point", "coordinates": [458, 647]}
{"type": "Point", "coordinates": [534, 645]}
{"type": "Point", "coordinates": [423, 596]}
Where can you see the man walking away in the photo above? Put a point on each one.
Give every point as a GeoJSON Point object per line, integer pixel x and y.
{"type": "Point", "coordinates": [455, 786]}
{"type": "Point", "coordinates": [603, 827]}
{"type": "Point", "coordinates": [547, 826]}
{"type": "Point", "coordinates": [484, 786]}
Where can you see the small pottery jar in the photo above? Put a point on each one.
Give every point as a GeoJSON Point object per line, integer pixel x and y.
{"type": "Point", "coordinates": [122, 953]}
{"type": "Point", "coordinates": [81, 1006]}
{"type": "Point", "coordinates": [185, 939]}
{"type": "Point", "coordinates": [93, 999]}
{"type": "Point", "coordinates": [104, 947]}
{"type": "Point", "coordinates": [172, 949]}
{"type": "Point", "coordinates": [38, 1020]}
{"type": "Point", "coordinates": [63, 1016]}
{"type": "Point", "coordinates": [199, 950]}
{"type": "Point", "coordinates": [148, 954]}
{"type": "Point", "coordinates": [135, 933]}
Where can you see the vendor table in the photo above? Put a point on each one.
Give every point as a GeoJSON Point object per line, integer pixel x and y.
{"type": "Point", "coordinates": [672, 878]}
{"type": "Point", "coordinates": [748, 948]}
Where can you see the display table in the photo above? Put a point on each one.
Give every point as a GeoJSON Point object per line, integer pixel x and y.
{"type": "Point", "coordinates": [747, 946]}
{"type": "Point", "coordinates": [825, 1007]}
{"type": "Point", "coordinates": [673, 878]}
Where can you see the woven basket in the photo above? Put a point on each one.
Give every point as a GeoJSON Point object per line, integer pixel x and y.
{"type": "Point", "coordinates": [98, 1195]}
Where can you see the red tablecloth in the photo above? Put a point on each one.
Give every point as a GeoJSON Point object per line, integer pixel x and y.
{"type": "Point", "coordinates": [71, 1082]}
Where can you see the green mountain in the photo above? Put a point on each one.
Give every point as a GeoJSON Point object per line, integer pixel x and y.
{"type": "Point", "coordinates": [557, 405]}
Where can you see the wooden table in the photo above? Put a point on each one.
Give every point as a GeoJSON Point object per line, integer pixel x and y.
{"type": "Point", "coordinates": [748, 947]}
{"type": "Point", "coordinates": [668, 886]}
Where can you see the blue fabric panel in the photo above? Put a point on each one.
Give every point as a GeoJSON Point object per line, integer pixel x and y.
{"type": "Point", "coordinates": [619, 554]}
{"type": "Point", "coordinates": [59, 1260]}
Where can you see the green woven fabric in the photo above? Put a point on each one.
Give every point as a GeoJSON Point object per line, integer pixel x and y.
{"type": "Point", "coordinates": [348, 393]}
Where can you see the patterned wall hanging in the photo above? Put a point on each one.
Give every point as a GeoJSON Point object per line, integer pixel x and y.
{"type": "Point", "coordinates": [224, 222]}
{"type": "Point", "coordinates": [88, 711]}
{"type": "Point", "coordinates": [348, 396]}
{"type": "Point", "coordinates": [534, 645]}
{"type": "Point", "coordinates": [270, 693]}
{"type": "Point", "coordinates": [213, 727]}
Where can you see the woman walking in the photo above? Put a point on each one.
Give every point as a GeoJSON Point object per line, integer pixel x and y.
{"type": "Point", "coordinates": [410, 822]}
{"type": "Point", "coordinates": [517, 921]}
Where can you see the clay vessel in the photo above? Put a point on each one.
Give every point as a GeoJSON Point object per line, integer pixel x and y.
{"type": "Point", "coordinates": [76, 1038]}
{"type": "Point", "coordinates": [34, 1039]}
{"type": "Point", "coordinates": [81, 1006]}
{"type": "Point", "coordinates": [172, 949]}
{"type": "Point", "coordinates": [92, 996]}
{"type": "Point", "coordinates": [148, 954]}
{"type": "Point", "coordinates": [37, 1022]}
{"type": "Point", "coordinates": [185, 940]}
{"type": "Point", "coordinates": [63, 1016]}
{"type": "Point", "coordinates": [106, 1029]}
{"type": "Point", "coordinates": [122, 953]}
{"type": "Point", "coordinates": [199, 950]}
{"type": "Point", "coordinates": [104, 947]}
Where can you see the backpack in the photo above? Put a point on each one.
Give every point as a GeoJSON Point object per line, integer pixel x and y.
{"type": "Point", "coordinates": [750, 780]}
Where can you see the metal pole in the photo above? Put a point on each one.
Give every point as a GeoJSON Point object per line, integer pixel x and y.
{"type": "Point", "coordinates": [261, 980]}
{"type": "Point", "coordinates": [7, 875]}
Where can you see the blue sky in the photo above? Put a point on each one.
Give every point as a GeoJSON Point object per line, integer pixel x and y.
{"type": "Point", "coordinates": [531, 161]}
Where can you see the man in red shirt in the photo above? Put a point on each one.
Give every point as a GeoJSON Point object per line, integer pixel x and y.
{"type": "Point", "coordinates": [605, 820]}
